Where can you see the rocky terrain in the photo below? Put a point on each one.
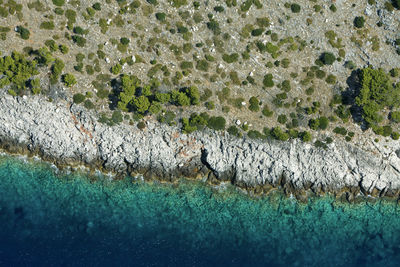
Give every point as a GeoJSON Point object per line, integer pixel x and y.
{"type": "Point", "coordinates": [69, 134]}
{"type": "Point", "coordinates": [301, 95]}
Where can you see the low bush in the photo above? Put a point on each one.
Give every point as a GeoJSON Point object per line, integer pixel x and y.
{"type": "Point", "coordinates": [295, 8]}
{"type": "Point", "coordinates": [359, 22]}
{"type": "Point", "coordinates": [47, 25]}
{"type": "Point", "coordinates": [217, 123]}
{"type": "Point", "coordinates": [233, 130]}
{"type": "Point", "coordinates": [24, 32]}
{"type": "Point", "coordinates": [78, 98]}
{"type": "Point", "coordinates": [267, 81]}
{"type": "Point", "coordinates": [69, 79]}
{"type": "Point", "coordinates": [79, 40]}
{"type": "Point", "coordinates": [254, 104]}
{"type": "Point", "coordinates": [327, 58]}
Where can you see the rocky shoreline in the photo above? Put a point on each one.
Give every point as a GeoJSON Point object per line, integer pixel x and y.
{"type": "Point", "coordinates": [68, 134]}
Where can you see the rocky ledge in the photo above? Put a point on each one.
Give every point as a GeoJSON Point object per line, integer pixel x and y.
{"type": "Point", "coordinates": [68, 134]}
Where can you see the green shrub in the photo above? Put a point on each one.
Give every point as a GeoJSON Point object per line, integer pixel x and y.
{"type": "Point", "coordinates": [333, 8]}
{"type": "Point", "coordinates": [395, 116]}
{"type": "Point", "coordinates": [35, 86]}
{"type": "Point", "coordinates": [69, 79]}
{"type": "Point", "coordinates": [141, 104]}
{"type": "Point", "coordinates": [80, 30]}
{"type": "Point", "coordinates": [88, 104]}
{"type": "Point", "coordinates": [267, 112]}
{"type": "Point", "coordinates": [71, 16]}
{"type": "Point", "coordinates": [340, 130]}
{"type": "Point", "coordinates": [279, 134]}
{"type": "Point", "coordinates": [217, 123]}
{"type": "Point", "coordinates": [209, 105]}
{"type": "Point", "coordinates": [286, 86]}
{"type": "Point", "coordinates": [323, 123]}
{"type": "Point", "coordinates": [51, 44]}
{"type": "Point", "coordinates": [78, 98]}
{"type": "Point", "coordinates": [359, 22]}
{"type": "Point", "coordinates": [219, 9]}
{"type": "Point", "coordinates": [233, 130]}
{"type": "Point", "coordinates": [152, 2]}
{"type": "Point", "coordinates": [253, 134]}
{"type": "Point", "coordinates": [331, 79]}
{"type": "Point", "coordinates": [57, 68]}
{"type": "Point", "coordinates": [313, 124]}
{"type": "Point", "coordinates": [180, 98]}
{"type": "Point", "coordinates": [202, 65]}
{"type": "Point", "coordinates": [306, 136]}
{"type": "Point", "coordinates": [116, 69]}
{"type": "Point", "coordinates": [267, 81]}
{"type": "Point", "coordinates": [102, 93]}
{"type": "Point", "coordinates": [186, 65]}
{"type": "Point", "coordinates": [24, 32]}
{"type": "Point", "coordinates": [79, 40]}
{"type": "Point", "coordinates": [282, 119]}
{"type": "Point", "coordinates": [396, 4]}
{"type": "Point", "coordinates": [394, 72]}
{"type": "Point", "coordinates": [167, 118]}
{"type": "Point", "coordinates": [214, 26]}
{"type": "Point", "coordinates": [327, 58]}
{"type": "Point", "coordinates": [47, 25]}
{"type": "Point", "coordinates": [186, 127]}
{"type": "Point", "coordinates": [230, 58]}
{"type": "Point", "coordinates": [58, 2]}
{"type": "Point", "coordinates": [63, 49]}
{"type": "Point", "coordinates": [124, 41]}
{"type": "Point", "coordinates": [257, 32]}
{"type": "Point", "coordinates": [295, 8]}
{"type": "Point", "coordinates": [350, 65]}
{"type": "Point", "coordinates": [254, 104]}
{"type": "Point", "coordinates": [117, 117]}
{"type": "Point", "coordinates": [395, 135]}
{"type": "Point", "coordinates": [194, 95]}
{"type": "Point", "coordinates": [377, 92]}
{"type": "Point", "coordinates": [161, 16]}
{"type": "Point", "coordinates": [178, 3]}
{"type": "Point", "coordinates": [97, 6]}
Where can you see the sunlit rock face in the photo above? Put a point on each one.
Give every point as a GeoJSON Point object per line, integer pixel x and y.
{"type": "Point", "coordinates": [69, 133]}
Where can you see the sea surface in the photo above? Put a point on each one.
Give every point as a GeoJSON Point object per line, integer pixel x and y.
{"type": "Point", "coordinates": [50, 218]}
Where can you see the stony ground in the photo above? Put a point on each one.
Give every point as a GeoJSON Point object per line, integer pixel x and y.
{"type": "Point", "coordinates": [183, 35]}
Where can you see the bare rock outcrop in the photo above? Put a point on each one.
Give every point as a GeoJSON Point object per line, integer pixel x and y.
{"type": "Point", "coordinates": [69, 134]}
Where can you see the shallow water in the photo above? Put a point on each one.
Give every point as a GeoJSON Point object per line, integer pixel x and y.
{"type": "Point", "coordinates": [56, 219]}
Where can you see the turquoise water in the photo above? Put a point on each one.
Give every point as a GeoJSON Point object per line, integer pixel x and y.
{"type": "Point", "coordinates": [57, 219]}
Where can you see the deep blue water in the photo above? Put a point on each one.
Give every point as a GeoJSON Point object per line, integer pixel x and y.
{"type": "Point", "coordinates": [48, 218]}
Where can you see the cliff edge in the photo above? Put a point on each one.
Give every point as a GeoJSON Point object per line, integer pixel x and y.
{"type": "Point", "coordinates": [70, 134]}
